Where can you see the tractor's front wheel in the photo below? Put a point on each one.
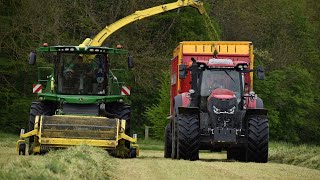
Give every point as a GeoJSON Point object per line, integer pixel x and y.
{"type": "Point", "coordinates": [258, 139]}
{"type": "Point", "coordinates": [174, 138]}
{"type": "Point", "coordinates": [167, 141]}
{"type": "Point", "coordinates": [188, 141]}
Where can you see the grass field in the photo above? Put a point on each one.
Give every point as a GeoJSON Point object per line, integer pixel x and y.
{"type": "Point", "coordinates": [302, 155]}
{"type": "Point", "coordinates": [84, 162]}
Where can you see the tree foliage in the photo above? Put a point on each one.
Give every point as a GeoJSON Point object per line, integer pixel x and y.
{"type": "Point", "coordinates": [160, 110]}
{"type": "Point", "coordinates": [286, 35]}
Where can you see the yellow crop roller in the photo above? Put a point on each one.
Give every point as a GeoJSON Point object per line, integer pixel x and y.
{"type": "Point", "coordinates": [61, 131]}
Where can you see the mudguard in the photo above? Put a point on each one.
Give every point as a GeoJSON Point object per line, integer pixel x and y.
{"type": "Point", "coordinates": [181, 100]}
{"type": "Point", "coordinates": [189, 110]}
{"type": "Point", "coordinates": [262, 112]}
{"type": "Point", "coordinates": [259, 103]}
{"type": "Point", "coordinates": [255, 104]}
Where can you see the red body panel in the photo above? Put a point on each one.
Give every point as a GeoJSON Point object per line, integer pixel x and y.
{"type": "Point", "coordinates": [185, 99]}
{"type": "Point", "coordinates": [222, 94]}
{"type": "Point", "coordinates": [174, 75]}
{"type": "Point", "coordinates": [251, 104]}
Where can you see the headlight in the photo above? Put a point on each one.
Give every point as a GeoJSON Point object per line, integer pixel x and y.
{"type": "Point", "coordinates": [216, 110]}
{"type": "Point", "coordinates": [231, 111]}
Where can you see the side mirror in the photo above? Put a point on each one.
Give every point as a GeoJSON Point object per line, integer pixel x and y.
{"type": "Point", "coordinates": [182, 71]}
{"type": "Point", "coordinates": [130, 62]}
{"type": "Point", "coordinates": [260, 71]}
{"type": "Point", "coordinates": [32, 58]}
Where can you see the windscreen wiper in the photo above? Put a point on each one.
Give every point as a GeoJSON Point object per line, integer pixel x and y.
{"type": "Point", "coordinates": [230, 76]}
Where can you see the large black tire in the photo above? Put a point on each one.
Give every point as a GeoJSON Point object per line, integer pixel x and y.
{"type": "Point", "coordinates": [174, 138]}
{"type": "Point", "coordinates": [125, 113]}
{"type": "Point", "coordinates": [22, 148]}
{"type": "Point", "coordinates": [122, 111]}
{"type": "Point", "coordinates": [258, 139]}
{"type": "Point", "coordinates": [188, 137]}
{"type": "Point", "coordinates": [167, 141]}
{"type": "Point", "coordinates": [38, 108]}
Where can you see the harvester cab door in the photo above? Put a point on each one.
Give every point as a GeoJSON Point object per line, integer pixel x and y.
{"type": "Point", "coordinates": [76, 75]}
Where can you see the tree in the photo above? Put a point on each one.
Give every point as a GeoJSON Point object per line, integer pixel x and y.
{"type": "Point", "coordinates": [158, 112]}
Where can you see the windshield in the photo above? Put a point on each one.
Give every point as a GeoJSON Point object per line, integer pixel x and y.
{"type": "Point", "coordinates": [77, 75]}
{"type": "Point", "coordinates": [220, 78]}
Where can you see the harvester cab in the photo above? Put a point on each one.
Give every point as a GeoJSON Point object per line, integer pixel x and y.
{"type": "Point", "coordinates": [82, 102]}
{"type": "Point", "coordinates": [213, 105]}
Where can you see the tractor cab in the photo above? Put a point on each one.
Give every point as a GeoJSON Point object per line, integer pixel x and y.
{"type": "Point", "coordinates": [222, 79]}
{"type": "Point", "coordinates": [219, 79]}
{"type": "Point", "coordinates": [221, 91]}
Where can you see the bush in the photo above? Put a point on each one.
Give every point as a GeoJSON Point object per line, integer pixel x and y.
{"type": "Point", "coordinates": [158, 113]}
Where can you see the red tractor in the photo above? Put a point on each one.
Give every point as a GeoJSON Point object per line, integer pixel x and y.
{"type": "Point", "coordinates": [213, 106]}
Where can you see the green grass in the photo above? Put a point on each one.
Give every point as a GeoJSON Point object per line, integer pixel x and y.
{"type": "Point", "coordinates": [80, 162]}
{"type": "Point", "coordinates": [85, 162]}
{"type": "Point", "coordinates": [300, 155]}
{"type": "Point", "coordinates": [8, 140]}
{"type": "Point", "coordinates": [279, 152]}
{"type": "Point", "coordinates": [151, 144]}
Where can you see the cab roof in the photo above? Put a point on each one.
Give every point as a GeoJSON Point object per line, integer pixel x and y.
{"type": "Point", "coordinates": [222, 63]}
{"type": "Point", "coordinates": [82, 50]}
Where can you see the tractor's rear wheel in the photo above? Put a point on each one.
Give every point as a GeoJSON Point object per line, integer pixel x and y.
{"type": "Point", "coordinates": [167, 141]}
{"type": "Point", "coordinates": [188, 137]}
{"type": "Point", "coordinates": [38, 108]}
{"type": "Point", "coordinates": [258, 139]}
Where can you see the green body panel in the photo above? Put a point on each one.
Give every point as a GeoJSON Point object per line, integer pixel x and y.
{"type": "Point", "coordinates": [79, 99]}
